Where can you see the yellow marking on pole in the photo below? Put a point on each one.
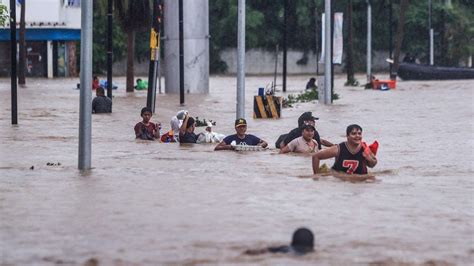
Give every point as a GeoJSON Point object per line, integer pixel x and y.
{"type": "Point", "coordinates": [261, 107]}
{"type": "Point", "coordinates": [272, 107]}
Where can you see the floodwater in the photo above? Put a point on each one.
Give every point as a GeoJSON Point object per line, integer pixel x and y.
{"type": "Point", "coordinates": [146, 203]}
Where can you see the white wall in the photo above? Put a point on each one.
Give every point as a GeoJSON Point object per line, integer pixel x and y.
{"type": "Point", "coordinates": [49, 13]}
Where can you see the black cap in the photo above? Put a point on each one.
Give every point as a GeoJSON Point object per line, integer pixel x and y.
{"type": "Point", "coordinates": [306, 116]}
{"type": "Point", "coordinates": [240, 122]}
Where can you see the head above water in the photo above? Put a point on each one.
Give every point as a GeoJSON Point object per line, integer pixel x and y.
{"type": "Point", "coordinates": [303, 240]}
{"type": "Point", "coordinates": [100, 91]}
{"type": "Point", "coordinates": [350, 128]}
{"type": "Point", "coordinates": [144, 110]}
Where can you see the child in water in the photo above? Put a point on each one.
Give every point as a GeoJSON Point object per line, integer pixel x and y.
{"type": "Point", "coordinates": [145, 129]}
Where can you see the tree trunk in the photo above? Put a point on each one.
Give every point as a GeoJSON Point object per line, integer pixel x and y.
{"type": "Point", "coordinates": [130, 58]}
{"type": "Point", "coordinates": [400, 32]}
{"type": "Point", "coordinates": [350, 47]}
{"type": "Point", "coordinates": [22, 52]}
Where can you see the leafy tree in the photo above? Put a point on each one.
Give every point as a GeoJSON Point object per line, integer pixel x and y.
{"type": "Point", "coordinates": [133, 16]}
{"type": "Point", "coordinates": [100, 38]}
{"type": "Point", "coordinates": [454, 29]}
{"type": "Point", "coordinates": [3, 15]}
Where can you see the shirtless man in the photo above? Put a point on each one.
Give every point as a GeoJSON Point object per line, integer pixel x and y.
{"type": "Point", "coordinates": [351, 156]}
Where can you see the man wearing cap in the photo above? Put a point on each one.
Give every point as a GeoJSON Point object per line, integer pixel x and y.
{"type": "Point", "coordinates": [240, 138]}
{"type": "Point", "coordinates": [306, 118]}
{"type": "Point", "coordinates": [304, 144]}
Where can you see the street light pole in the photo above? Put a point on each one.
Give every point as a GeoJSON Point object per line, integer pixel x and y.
{"type": "Point", "coordinates": [109, 48]}
{"type": "Point", "coordinates": [241, 60]}
{"type": "Point", "coordinates": [369, 41]}
{"type": "Point", "coordinates": [13, 62]}
{"type": "Point", "coordinates": [431, 33]}
{"type": "Point", "coordinates": [327, 52]}
{"type": "Point", "coordinates": [85, 105]}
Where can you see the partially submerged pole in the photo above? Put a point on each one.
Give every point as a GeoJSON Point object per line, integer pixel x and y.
{"type": "Point", "coordinates": [390, 38]}
{"type": "Point", "coordinates": [327, 51]}
{"type": "Point", "coordinates": [277, 50]}
{"type": "Point", "coordinates": [332, 50]}
{"type": "Point", "coordinates": [154, 55]}
{"type": "Point", "coordinates": [317, 40]}
{"type": "Point", "coordinates": [369, 41]}
{"type": "Point", "coordinates": [241, 60]}
{"type": "Point", "coordinates": [181, 53]}
{"type": "Point", "coordinates": [285, 37]}
{"type": "Point", "coordinates": [13, 61]}
{"type": "Point", "coordinates": [430, 26]}
{"type": "Point", "coordinates": [85, 105]}
{"type": "Point", "coordinates": [22, 44]}
{"type": "Point", "coordinates": [109, 48]}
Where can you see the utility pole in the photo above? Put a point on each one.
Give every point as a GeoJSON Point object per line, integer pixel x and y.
{"type": "Point", "coordinates": [85, 105]}
{"type": "Point", "coordinates": [285, 41]}
{"type": "Point", "coordinates": [22, 52]}
{"type": "Point", "coordinates": [390, 38]}
{"type": "Point", "coordinates": [241, 60]}
{"type": "Point", "coordinates": [13, 61]}
{"type": "Point", "coordinates": [369, 41]}
{"type": "Point", "coordinates": [154, 54]}
{"type": "Point", "coordinates": [430, 26]}
{"type": "Point", "coordinates": [327, 52]}
{"type": "Point", "coordinates": [317, 39]}
{"type": "Point", "coordinates": [181, 53]}
{"type": "Point", "coordinates": [109, 47]}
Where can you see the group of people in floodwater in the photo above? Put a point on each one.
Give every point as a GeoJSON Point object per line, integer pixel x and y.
{"type": "Point", "coordinates": [352, 157]}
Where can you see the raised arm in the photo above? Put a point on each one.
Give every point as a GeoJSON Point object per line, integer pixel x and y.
{"type": "Point", "coordinates": [330, 152]}
{"type": "Point", "coordinates": [182, 129]}
{"type": "Point", "coordinates": [326, 143]}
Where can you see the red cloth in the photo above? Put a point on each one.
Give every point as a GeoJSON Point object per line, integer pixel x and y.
{"type": "Point", "coordinates": [95, 84]}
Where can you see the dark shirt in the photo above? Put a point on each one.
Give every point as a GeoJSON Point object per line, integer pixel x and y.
{"type": "Point", "coordinates": [350, 163]}
{"type": "Point", "coordinates": [188, 138]}
{"type": "Point", "coordinates": [145, 132]}
{"type": "Point", "coordinates": [247, 140]}
{"type": "Point", "coordinates": [298, 132]}
{"type": "Point", "coordinates": [101, 104]}
{"type": "Point", "coordinates": [311, 85]}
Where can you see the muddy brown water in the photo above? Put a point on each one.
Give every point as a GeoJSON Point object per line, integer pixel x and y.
{"type": "Point", "coordinates": [146, 203]}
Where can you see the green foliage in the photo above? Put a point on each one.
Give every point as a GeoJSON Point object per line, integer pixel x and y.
{"type": "Point", "coordinates": [454, 28]}
{"type": "Point", "coordinates": [99, 47]}
{"type": "Point", "coordinates": [3, 15]}
{"type": "Point", "coordinates": [133, 14]}
{"type": "Point", "coordinates": [306, 96]}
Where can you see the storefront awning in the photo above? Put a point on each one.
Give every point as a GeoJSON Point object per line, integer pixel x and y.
{"type": "Point", "coordinates": [44, 34]}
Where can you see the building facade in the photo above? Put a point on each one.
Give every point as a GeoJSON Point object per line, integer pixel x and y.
{"type": "Point", "coordinates": [53, 31]}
